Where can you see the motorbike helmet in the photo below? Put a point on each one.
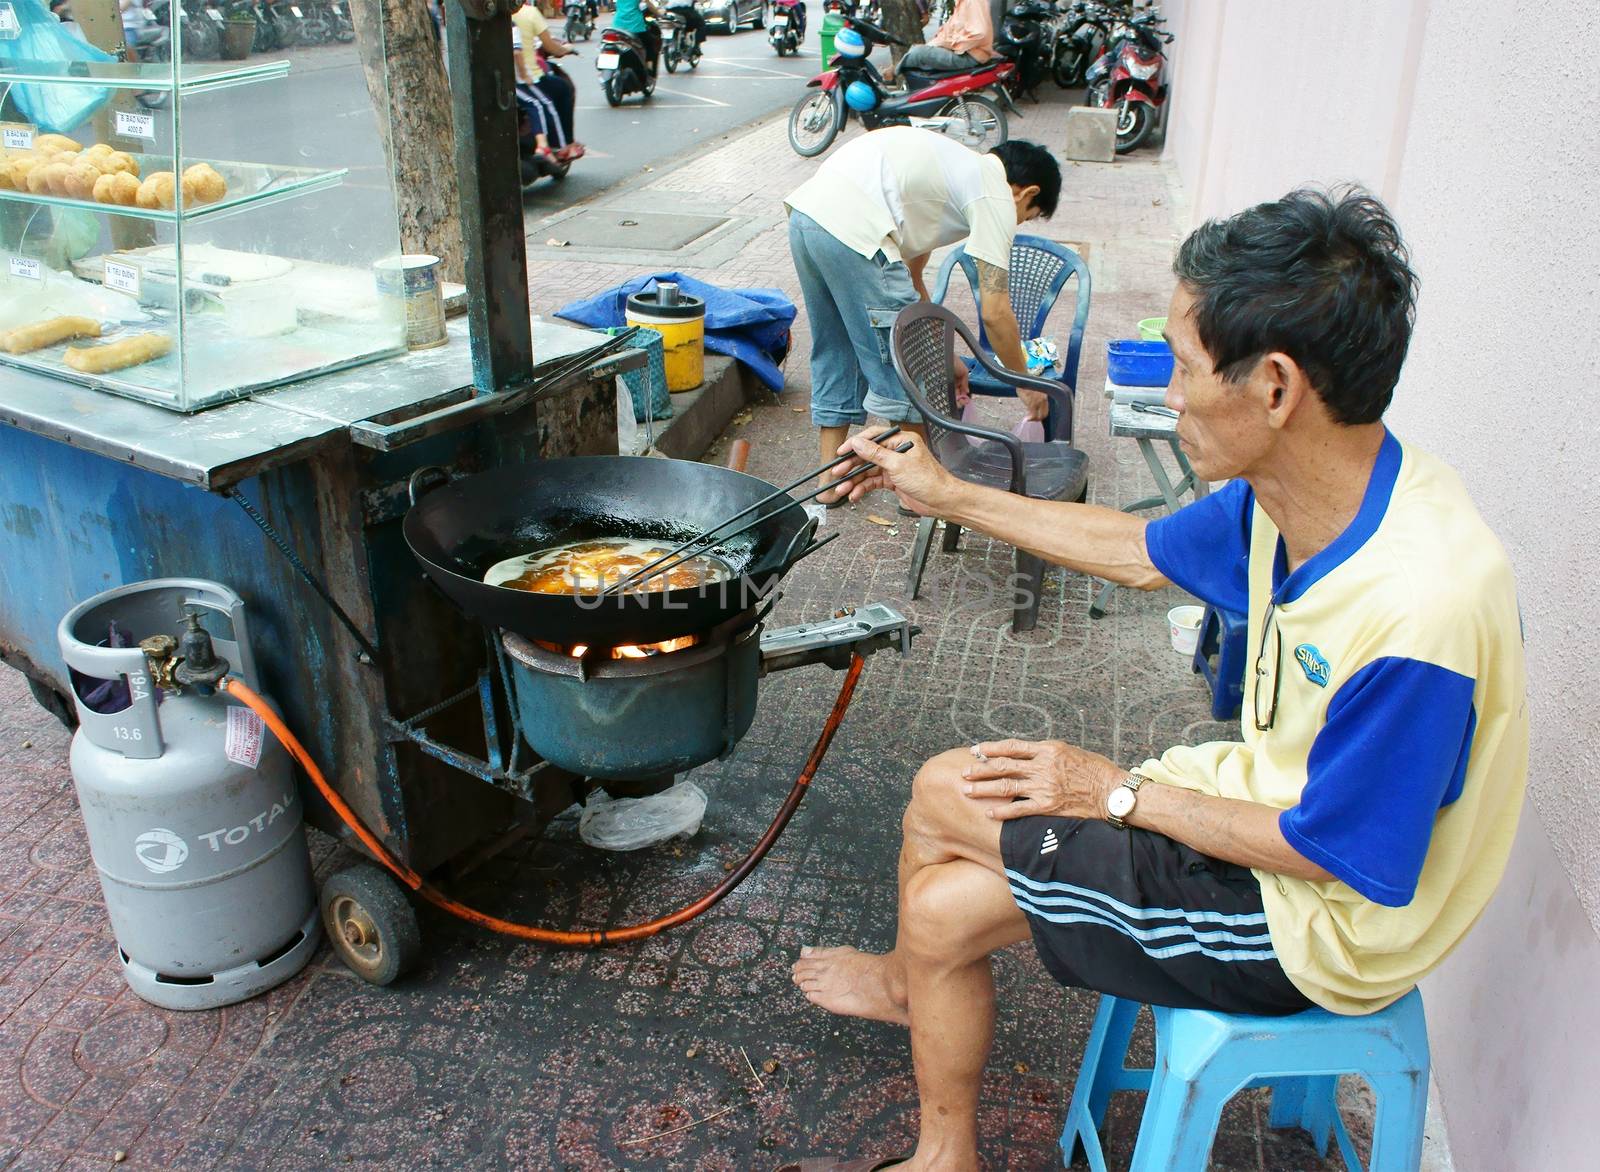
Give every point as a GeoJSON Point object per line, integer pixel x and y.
{"type": "Point", "coordinates": [849, 43]}
{"type": "Point", "coordinates": [860, 97]}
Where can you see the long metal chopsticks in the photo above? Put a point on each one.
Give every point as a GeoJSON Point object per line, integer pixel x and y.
{"type": "Point", "coordinates": [710, 537]}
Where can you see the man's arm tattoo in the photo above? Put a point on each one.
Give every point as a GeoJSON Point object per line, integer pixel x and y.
{"type": "Point", "coordinates": [992, 280]}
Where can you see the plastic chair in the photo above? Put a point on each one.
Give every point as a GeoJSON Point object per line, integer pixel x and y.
{"type": "Point", "coordinates": [1203, 1059]}
{"type": "Point", "coordinates": [923, 344]}
{"type": "Point", "coordinates": [1222, 634]}
{"type": "Point", "coordinates": [1040, 269]}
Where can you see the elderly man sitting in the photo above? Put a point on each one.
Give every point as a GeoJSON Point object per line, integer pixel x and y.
{"type": "Point", "coordinates": [1337, 851]}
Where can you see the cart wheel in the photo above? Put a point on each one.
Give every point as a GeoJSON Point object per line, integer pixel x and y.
{"type": "Point", "coordinates": [371, 924]}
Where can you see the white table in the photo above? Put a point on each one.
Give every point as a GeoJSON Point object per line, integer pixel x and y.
{"type": "Point", "coordinates": [1149, 429]}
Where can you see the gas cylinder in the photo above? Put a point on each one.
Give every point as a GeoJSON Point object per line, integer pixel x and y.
{"type": "Point", "coordinates": [192, 815]}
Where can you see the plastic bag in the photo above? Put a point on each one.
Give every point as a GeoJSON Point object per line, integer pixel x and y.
{"type": "Point", "coordinates": [31, 33]}
{"type": "Point", "coordinates": [1042, 354]}
{"type": "Point", "coordinates": [630, 824]}
{"type": "Point", "coordinates": [627, 428]}
{"type": "Point", "coordinates": [1029, 431]}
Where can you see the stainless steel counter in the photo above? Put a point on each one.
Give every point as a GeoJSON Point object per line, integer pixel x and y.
{"type": "Point", "coordinates": [382, 405]}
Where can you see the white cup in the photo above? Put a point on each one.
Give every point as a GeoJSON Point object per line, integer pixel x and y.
{"type": "Point", "coordinates": [1183, 623]}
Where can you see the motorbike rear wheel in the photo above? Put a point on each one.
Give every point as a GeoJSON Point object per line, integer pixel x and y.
{"type": "Point", "coordinates": [975, 122]}
{"type": "Point", "coordinates": [669, 58]}
{"type": "Point", "coordinates": [613, 87]}
{"type": "Point", "coordinates": [1068, 68]}
{"type": "Point", "coordinates": [1134, 123]}
{"type": "Point", "coordinates": [815, 122]}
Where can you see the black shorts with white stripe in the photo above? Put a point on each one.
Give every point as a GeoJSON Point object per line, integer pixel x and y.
{"type": "Point", "coordinates": [1140, 916]}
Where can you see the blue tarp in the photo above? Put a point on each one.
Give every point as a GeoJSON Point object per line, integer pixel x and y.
{"type": "Point", "coordinates": [751, 325]}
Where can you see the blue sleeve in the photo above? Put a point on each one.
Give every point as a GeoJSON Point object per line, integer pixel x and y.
{"type": "Point", "coordinates": [1392, 754]}
{"type": "Point", "coordinates": [1205, 546]}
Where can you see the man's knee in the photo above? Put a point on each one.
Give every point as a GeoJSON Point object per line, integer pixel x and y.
{"type": "Point", "coordinates": [935, 788]}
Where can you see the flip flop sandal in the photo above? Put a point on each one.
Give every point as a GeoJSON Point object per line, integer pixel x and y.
{"type": "Point", "coordinates": [824, 1164]}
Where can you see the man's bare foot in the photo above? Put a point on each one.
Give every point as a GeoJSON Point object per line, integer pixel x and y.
{"type": "Point", "coordinates": [853, 983]}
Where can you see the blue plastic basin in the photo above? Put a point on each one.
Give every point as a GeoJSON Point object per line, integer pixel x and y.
{"type": "Point", "coordinates": [1131, 363]}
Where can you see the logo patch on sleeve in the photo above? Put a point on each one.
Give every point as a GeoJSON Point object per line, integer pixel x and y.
{"type": "Point", "coordinates": [1313, 663]}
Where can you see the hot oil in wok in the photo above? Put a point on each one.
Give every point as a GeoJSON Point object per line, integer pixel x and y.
{"type": "Point", "coordinates": [585, 567]}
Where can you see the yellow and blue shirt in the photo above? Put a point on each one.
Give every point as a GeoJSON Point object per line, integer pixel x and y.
{"type": "Point", "coordinates": [1398, 740]}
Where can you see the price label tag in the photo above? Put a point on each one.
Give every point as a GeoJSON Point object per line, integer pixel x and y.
{"type": "Point", "coordinates": [214, 15]}
{"type": "Point", "coordinates": [130, 125]}
{"type": "Point", "coordinates": [22, 266]}
{"type": "Point", "coordinates": [17, 138]}
{"type": "Point", "coordinates": [297, 13]}
{"type": "Point", "coordinates": [123, 278]}
{"type": "Point", "coordinates": [10, 26]}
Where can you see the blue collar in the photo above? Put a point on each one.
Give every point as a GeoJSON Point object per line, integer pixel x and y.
{"type": "Point", "coordinates": [1287, 587]}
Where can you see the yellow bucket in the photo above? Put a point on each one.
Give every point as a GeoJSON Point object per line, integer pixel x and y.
{"type": "Point", "coordinates": [681, 321]}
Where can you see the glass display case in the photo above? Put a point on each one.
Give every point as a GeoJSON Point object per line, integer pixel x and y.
{"type": "Point", "coordinates": [186, 231]}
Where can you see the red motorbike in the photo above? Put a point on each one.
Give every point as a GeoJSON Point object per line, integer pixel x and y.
{"type": "Point", "coordinates": [952, 103]}
{"type": "Point", "coordinates": [1130, 77]}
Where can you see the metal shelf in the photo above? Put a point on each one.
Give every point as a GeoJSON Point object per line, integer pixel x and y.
{"type": "Point", "coordinates": [145, 76]}
{"type": "Point", "coordinates": [249, 185]}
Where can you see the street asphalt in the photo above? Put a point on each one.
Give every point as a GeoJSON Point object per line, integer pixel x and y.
{"type": "Point", "coordinates": [322, 117]}
{"type": "Point", "coordinates": [739, 79]}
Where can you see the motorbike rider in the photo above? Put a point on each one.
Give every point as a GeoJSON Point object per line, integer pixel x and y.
{"type": "Point", "coordinates": [637, 19]}
{"type": "Point", "coordinates": [686, 11]}
{"type": "Point", "coordinates": [548, 94]}
{"type": "Point", "coordinates": [965, 41]}
{"type": "Point", "coordinates": [797, 13]}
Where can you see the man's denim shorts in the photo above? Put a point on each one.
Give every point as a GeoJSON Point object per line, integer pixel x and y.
{"type": "Point", "coordinates": [851, 303]}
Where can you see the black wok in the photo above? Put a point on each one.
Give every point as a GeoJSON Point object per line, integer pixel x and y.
{"type": "Point", "coordinates": [461, 529]}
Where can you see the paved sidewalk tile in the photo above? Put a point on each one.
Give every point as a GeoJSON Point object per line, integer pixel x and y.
{"type": "Point", "coordinates": [690, 1050]}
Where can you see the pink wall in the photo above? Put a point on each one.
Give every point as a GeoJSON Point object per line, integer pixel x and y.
{"type": "Point", "coordinates": [1495, 185]}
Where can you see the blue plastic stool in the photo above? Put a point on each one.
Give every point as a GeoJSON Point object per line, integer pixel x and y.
{"type": "Point", "coordinates": [1222, 633]}
{"type": "Point", "coordinates": [1203, 1059]}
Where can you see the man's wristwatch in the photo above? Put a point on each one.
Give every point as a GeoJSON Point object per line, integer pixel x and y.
{"type": "Point", "coordinates": [1121, 801]}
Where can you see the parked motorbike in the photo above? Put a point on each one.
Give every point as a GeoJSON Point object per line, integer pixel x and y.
{"type": "Point", "coordinates": [677, 40]}
{"type": "Point", "coordinates": [580, 16]}
{"type": "Point", "coordinates": [1130, 77]}
{"type": "Point", "coordinates": [952, 104]}
{"type": "Point", "coordinates": [284, 19]}
{"type": "Point", "coordinates": [625, 67]}
{"type": "Point", "coordinates": [1084, 31]}
{"type": "Point", "coordinates": [786, 27]}
{"type": "Point", "coordinates": [1027, 36]}
{"type": "Point", "coordinates": [325, 21]}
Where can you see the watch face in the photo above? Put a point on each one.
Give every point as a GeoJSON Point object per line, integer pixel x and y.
{"type": "Point", "coordinates": [1121, 801]}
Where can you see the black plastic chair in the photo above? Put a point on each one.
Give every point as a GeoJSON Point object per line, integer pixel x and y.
{"type": "Point", "coordinates": [923, 344]}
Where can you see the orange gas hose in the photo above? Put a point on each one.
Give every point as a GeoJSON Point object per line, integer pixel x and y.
{"type": "Point", "coordinates": [588, 938]}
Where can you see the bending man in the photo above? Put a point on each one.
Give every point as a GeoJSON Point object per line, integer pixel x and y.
{"type": "Point", "coordinates": [861, 230]}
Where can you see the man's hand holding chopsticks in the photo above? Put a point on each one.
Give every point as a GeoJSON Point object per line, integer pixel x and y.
{"type": "Point", "coordinates": [919, 479]}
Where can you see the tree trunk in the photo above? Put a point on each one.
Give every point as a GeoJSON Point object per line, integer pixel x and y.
{"type": "Point", "coordinates": [901, 19]}
{"type": "Point", "coordinates": [413, 111]}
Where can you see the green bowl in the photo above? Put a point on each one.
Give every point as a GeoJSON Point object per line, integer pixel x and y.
{"type": "Point", "coordinates": [1150, 328]}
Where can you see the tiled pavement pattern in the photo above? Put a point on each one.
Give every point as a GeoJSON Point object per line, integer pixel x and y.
{"type": "Point", "coordinates": [497, 1054]}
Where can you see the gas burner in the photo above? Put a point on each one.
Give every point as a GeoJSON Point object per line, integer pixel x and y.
{"type": "Point", "coordinates": [624, 651]}
{"type": "Point", "coordinates": [643, 710]}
